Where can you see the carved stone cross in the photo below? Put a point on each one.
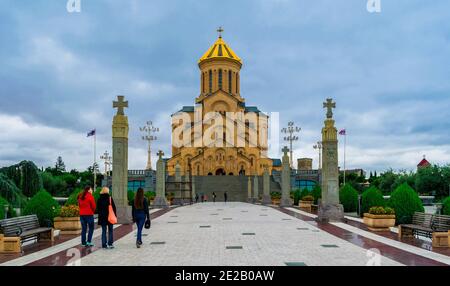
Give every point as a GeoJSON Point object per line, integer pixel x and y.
{"type": "Point", "coordinates": [329, 105]}
{"type": "Point", "coordinates": [120, 104]}
{"type": "Point", "coordinates": [160, 154]}
{"type": "Point", "coordinates": [285, 150]}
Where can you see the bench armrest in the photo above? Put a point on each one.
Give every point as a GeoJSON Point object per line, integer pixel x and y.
{"type": "Point", "coordinates": [19, 231]}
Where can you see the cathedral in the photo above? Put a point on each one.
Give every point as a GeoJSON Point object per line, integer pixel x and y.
{"type": "Point", "coordinates": [220, 134]}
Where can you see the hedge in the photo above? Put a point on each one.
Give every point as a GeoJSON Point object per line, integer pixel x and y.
{"type": "Point", "coordinates": [44, 206]}
{"type": "Point", "coordinates": [371, 197]}
{"type": "Point", "coordinates": [446, 206]}
{"type": "Point", "coordinates": [348, 197]}
{"type": "Point", "coordinates": [405, 201]}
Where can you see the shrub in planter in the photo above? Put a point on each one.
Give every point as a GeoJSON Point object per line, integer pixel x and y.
{"type": "Point", "coordinates": [44, 206]}
{"type": "Point", "coordinates": [381, 211]}
{"type": "Point", "coordinates": [11, 212]}
{"type": "Point", "coordinates": [297, 196]}
{"type": "Point", "coordinates": [130, 195]}
{"type": "Point", "coordinates": [275, 195]}
{"type": "Point", "coordinates": [317, 193]}
{"type": "Point", "coordinates": [446, 206]}
{"type": "Point", "coordinates": [405, 201]}
{"type": "Point", "coordinates": [308, 198]}
{"type": "Point", "coordinates": [69, 211]}
{"type": "Point", "coordinates": [372, 197]}
{"type": "Point", "coordinates": [348, 197]}
{"type": "Point", "coordinates": [150, 195]}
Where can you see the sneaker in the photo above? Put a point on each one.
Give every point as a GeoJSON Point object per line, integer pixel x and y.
{"type": "Point", "coordinates": [83, 244]}
{"type": "Point", "coordinates": [90, 244]}
{"type": "Point", "coordinates": [111, 246]}
{"type": "Point", "coordinates": [138, 245]}
{"type": "Point", "coordinates": [105, 247]}
{"type": "Point", "coordinates": [140, 242]}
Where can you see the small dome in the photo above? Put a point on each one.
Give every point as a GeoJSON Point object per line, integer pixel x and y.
{"type": "Point", "coordinates": [220, 50]}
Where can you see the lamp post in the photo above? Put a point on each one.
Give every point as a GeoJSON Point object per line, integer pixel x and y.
{"type": "Point", "coordinates": [108, 161]}
{"type": "Point", "coordinates": [290, 137]}
{"type": "Point", "coordinates": [148, 130]}
{"type": "Point", "coordinates": [318, 146]}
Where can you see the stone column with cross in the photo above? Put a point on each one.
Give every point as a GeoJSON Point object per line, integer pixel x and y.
{"type": "Point", "coordinates": [160, 199]}
{"type": "Point", "coordinates": [266, 199]}
{"type": "Point", "coordinates": [329, 207]}
{"type": "Point", "coordinates": [249, 189]}
{"type": "Point", "coordinates": [120, 161]}
{"type": "Point", "coordinates": [255, 188]}
{"type": "Point", "coordinates": [285, 180]}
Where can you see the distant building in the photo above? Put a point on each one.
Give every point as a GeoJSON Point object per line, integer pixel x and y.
{"type": "Point", "coordinates": [423, 164]}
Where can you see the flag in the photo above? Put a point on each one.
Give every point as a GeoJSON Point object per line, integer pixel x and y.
{"type": "Point", "coordinates": [343, 132]}
{"type": "Point", "coordinates": [91, 133]}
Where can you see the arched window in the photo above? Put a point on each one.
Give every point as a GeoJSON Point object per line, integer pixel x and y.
{"type": "Point", "coordinates": [210, 81]}
{"type": "Point", "coordinates": [198, 170]}
{"type": "Point", "coordinates": [203, 82]}
{"type": "Point", "coordinates": [230, 82]}
{"type": "Point", "coordinates": [220, 78]}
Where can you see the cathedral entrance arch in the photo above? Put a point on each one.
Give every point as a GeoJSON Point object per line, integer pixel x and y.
{"type": "Point", "coordinates": [220, 172]}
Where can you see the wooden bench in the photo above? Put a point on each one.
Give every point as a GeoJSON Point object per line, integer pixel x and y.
{"type": "Point", "coordinates": [15, 231]}
{"type": "Point", "coordinates": [436, 227]}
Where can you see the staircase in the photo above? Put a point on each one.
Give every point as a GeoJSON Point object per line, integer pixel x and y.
{"type": "Point", "coordinates": [235, 186]}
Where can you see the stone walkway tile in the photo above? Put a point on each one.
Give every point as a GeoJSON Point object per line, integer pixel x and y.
{"type": "Point", "coordinates": [302, 228]}
{"type": "Point", "coordinates": [205, 226]}
{"type": "Point", "coordinates": [234, 247]}
{"type": "Point", "coordinates": [248, 233]}
{"type": "Point", "coordinates": [157, 242]}
{"type": "Point", "coordinates": [329, 245]}
{"type": "Point", "coordinates": [227, 218]}
{"type": "Point", "coordinates": [295, 264]}
{"type": "Point", "coordinates": [172, 222]}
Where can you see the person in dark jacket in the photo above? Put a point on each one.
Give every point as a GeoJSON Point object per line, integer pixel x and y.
{"type": "Point", "coordinates": [214, 197]}
{"type": "Point", "coordinates": [140, 214]}
{"type": "Point", "coordinates": [225, 197]}
{"type": "Point", "coordinates": [103, 213]}
{"type": "Point", "coordinates": [86, 202]}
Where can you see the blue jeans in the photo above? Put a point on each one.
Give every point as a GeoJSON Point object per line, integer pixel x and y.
{"type": "Point", "coordinates": [110, 241]}
{"type": "Point", "coordinates": [87, 221]}
{"type": "Point", "coordinates": [140, 221]}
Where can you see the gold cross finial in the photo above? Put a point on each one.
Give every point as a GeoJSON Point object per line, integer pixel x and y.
{"type": "Point", "coordinates": [329, 105]}
{"type": "Point", "coordinates": [220, 30]}
{"type": "Point", "coordinates": [160, 154]}
{"type": "Point", "coordinates": [120, 104]}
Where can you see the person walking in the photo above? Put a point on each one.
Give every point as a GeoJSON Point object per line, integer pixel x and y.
{"type": "Point", "coordinates": [196, 198]}
{"type": "Point", "coordinates": [141, 214]}
{"type": "Point", "coordinates": [86, 203]}
{"type": "Point", "coordinates": [225, 197]}
{"type": "Point", "coordinates": [203, 198]}
{"type": "Point", "coordinates": [214, 197]}
{"type": "Point", "coordinates": [103, 203]}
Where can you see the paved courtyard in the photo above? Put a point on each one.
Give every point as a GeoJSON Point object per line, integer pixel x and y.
{"type": "Point", "coordinates": [232, 234]}
{"type": "Point", "coordinates": [240, 234]}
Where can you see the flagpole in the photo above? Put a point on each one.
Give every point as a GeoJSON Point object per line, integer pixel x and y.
{"type": "Point", "coordinates": [345, 147]}
{"type": "Point", "coordinates": [95, 159]}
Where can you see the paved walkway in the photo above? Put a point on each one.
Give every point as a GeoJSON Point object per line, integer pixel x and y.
{"type": "Point", "coordinates": [239, 234]}
{"type": "Point", "coordinates": [232, 234]}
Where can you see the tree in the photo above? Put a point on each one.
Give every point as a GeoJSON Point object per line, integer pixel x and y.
{"type": "Point", "coordinates": [60, 167]}
{"type": "Point", "coordinates": [386, 181]}
{"type": "Point", "coordinates": [405, 202]}
{"type": "Point", "coordinates": [26, 176]}
{"type": "Point", "coordinates": [429, 181]}
{"type": "Point", "coordinates": [348, 197]}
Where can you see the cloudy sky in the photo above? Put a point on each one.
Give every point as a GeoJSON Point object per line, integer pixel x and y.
{"type": "Point", "coordinates": [389, 73]}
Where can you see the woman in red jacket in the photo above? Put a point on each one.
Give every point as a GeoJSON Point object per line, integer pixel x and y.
{"type": "Point", "coordinates": [86, 203]}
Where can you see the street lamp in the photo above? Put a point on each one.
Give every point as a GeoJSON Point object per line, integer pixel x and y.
{"type": "Point", "coordinates": [108, 162]}
{"type": "Point", "coordinates": [148, 130]}
{"type": "Point", "coordinates": [318, 146]}
{"type": "Point", "coordinates": [6, 208]}
{"type": "Point", "coordinates": [289, 131]}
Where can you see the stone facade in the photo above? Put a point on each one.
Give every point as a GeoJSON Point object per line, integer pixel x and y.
{"type": "Point", "coordinates": [229, 153]}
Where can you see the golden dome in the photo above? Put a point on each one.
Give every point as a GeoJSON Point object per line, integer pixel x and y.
{"type": "Point", "coordinates": [220, 50]}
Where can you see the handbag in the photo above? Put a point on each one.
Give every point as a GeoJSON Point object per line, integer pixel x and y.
{"type": "Point", "coordinates": [148, 223]}
{"type": "Point", "coordinates": [112, 219]}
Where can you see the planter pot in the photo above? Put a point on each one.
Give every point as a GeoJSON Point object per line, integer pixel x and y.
{"type": "Point", "coordinates": [305, 204]}
{"type": "Point", "coordinates": [68, 225]}
{"type": "Point", "coordinates": [276, 201]}
{"type": "Point", "coordinates": [379, 222]}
